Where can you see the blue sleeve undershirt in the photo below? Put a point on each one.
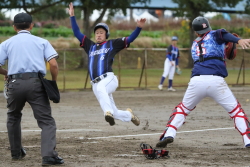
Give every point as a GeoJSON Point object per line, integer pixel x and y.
{"type": "Point", "coordinates": [80, 36]}
{"type": "Point", "coordinates": [169, 57]}
{"type": "Point", "coordinates": [177, 59]}
{"type": "Point", "coordinates": [76, 29]}
{"type": "Point", "coordinates": [223, 35]}
{"type": "Point", "coordinates": [134, 35]}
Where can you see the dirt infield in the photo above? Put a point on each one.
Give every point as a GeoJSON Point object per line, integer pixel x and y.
{"type": "Point", "coordinates": [208, 137]}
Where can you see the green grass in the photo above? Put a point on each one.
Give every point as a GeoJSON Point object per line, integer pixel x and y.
{"type": "Point", "coordinates": [130, 78]}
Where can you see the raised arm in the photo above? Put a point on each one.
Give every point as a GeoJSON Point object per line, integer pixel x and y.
{"type": "Point", "coordinates": [136, 32]}
{"type": "Point", "coordinates": [224, 35]}
{"type": "Point", "coordinates": [74, 25]}
{"type": "Point", "coordinates": [244, 43]}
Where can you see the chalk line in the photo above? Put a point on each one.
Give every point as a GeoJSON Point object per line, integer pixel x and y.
{"type": "Point", "coordinates": [137, 135]}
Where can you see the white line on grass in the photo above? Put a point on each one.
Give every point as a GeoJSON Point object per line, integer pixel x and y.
{"type": "Point", "coordinates": [159, 133]}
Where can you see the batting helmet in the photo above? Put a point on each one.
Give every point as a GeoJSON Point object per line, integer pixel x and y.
{"type": "Point", "coordinates": [104, 26]}
{"type": "Point", "coordinates": [174, 38]}
{"type": "Point", "coordinates": [201, 25]}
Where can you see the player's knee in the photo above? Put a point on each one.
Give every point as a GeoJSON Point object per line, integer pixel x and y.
{"type": "Point", "coordinates": [184, 109]}
{"type": "Point", "coordinates": [179, 114]}
{"type": "Point", "coordinates": [164, 75]}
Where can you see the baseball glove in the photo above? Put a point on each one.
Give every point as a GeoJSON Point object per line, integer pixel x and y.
{"type": "Point", "coordinates": [231, 49]}
{"type": "Point", "coordinates": [178, 70]}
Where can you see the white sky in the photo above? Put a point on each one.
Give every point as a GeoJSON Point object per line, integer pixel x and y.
{"type": "Point", "coordinates": [12, 13]}
{"type": "Point", "coordinates": [94, 16]}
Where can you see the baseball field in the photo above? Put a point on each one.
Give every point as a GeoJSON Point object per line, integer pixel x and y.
{"type": "Point", "coordinates": [84, 139]}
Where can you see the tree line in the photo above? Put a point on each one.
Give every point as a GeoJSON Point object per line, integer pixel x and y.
{"type": "Point", "coordinates": [55, 9]}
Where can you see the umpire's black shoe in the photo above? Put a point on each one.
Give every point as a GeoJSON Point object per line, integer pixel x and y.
{"type": "Point", "coordinates": [52, 161]}
{"type": "Point", "coordinates": [164, 141]}
{"type": "Point", "coordinates": [19, 155]}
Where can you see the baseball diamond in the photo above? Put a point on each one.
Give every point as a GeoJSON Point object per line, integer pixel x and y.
{"type": "Point", "coordinates": [208, 137]}
{"type": "Point", "coordinates": [202, 124]}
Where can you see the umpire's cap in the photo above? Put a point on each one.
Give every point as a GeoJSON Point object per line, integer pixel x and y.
{"type": "Point", "coordinates": [174, 38]}
{"type": "Point", "coordinates": [201, 25]}
{"type": "Point", "coordinates": [22, 18]}
{"type": "Point", "coordinates": [104, 26]}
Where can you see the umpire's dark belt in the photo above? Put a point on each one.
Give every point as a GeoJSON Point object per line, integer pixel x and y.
{"type": "Point", "coordinates": [98, 79]}
{"type": "Point", "coordinates": [24, 75]}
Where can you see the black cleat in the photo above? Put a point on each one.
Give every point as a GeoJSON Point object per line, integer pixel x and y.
{"type": "Point", "coordinates": [19, 155]}
{"type": "Point", "coordinates": [47, 161]}
{"type": "Point", "coordinates": [164, 141]}
{"type": "Point", "coordinates": [109, 118]}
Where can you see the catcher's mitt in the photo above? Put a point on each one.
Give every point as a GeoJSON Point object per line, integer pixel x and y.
{"type": "Point", "coordinates": [231, 49]}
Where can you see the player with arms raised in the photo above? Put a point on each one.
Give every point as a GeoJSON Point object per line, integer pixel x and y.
{"type": "Point", "coordinates": [100, 59]}
{"type": "Point", "coordinates": [207, 80]}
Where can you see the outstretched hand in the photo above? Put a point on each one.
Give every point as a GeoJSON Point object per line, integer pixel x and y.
{"type": "Point", "coordinates": [244, 43]}
{"type": "Point", "coordinates": [141, 22]}
{"type": "Point", "coordinates": [71, 9]}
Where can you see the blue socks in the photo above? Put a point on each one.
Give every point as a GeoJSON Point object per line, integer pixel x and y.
{"type": "Point", "coordinates": [162, 80]}
{"type": "Point", "coordinates": [170, 82]}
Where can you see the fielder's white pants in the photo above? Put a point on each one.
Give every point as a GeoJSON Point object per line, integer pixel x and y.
{"type": "Point", "coordinates": [215, 87]}
{"type": "Point", "coordinates": [103, 91]}
{"type": "Point", "coordinates": [169, 69]}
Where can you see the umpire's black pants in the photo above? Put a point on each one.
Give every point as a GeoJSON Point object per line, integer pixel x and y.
{"type": "Point", "coordinates": [30, 90]}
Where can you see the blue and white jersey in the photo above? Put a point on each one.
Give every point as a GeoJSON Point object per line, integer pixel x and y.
{"type": "Point", "coordinates": [26, 53]}
{"type": "Point", "coordinates": [101, 55]}
{"type": "Point", "coordinates": [213, 45]}
{"type": "Point", "coordinates": [172, 53]}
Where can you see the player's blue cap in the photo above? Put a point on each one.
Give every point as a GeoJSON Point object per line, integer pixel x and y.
{"type": "Point", "coordinates": [174, 38]}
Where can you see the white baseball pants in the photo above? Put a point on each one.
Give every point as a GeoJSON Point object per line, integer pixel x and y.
{"type": "Point", "coordinates": [215, 87]}
{"type": "Point", "coordinates": [169, 70]}
{"type": "Point", "coordinates": [103, 91]}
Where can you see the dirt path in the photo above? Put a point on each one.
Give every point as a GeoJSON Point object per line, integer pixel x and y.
{"type": "Point", "coordinates": [85, 139]}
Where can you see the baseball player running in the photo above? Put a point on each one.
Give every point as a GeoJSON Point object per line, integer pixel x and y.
{"type": "Point", "coordinates": [100, 59]}
{"type": "Point", "coordinates": [207, 80]}
{"type": "Point", "coordinates": [171, 62]}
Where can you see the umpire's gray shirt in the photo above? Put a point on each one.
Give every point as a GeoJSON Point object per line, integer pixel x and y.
{"type": "Point", "coordinates": [26, 53]}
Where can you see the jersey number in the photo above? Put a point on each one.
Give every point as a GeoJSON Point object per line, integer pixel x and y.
{"type": "Point", "coordinates": [198, 50]}
{"type": "Point", "coordinates": [102, 58]}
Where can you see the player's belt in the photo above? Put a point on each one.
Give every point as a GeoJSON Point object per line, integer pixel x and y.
{"type": "Point", "coordinates": [98, 79]}
{"type": "Point", "coordinates": [208, 75]}
{"type": "Point", "coordinates": [24, 75]}
{"type": "Point", "coordinates": [209, 58]}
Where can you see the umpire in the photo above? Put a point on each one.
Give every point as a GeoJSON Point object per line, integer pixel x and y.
{"type": "Point", "coordinates": [26, 54]}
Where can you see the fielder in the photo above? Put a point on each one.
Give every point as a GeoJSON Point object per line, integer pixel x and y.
{"type": "Point", "coordinates": [100, 59]}
{"type": "Point", "coordinates": [170, 64]}
{"type": "Point", "coordinates": [207, 80]}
